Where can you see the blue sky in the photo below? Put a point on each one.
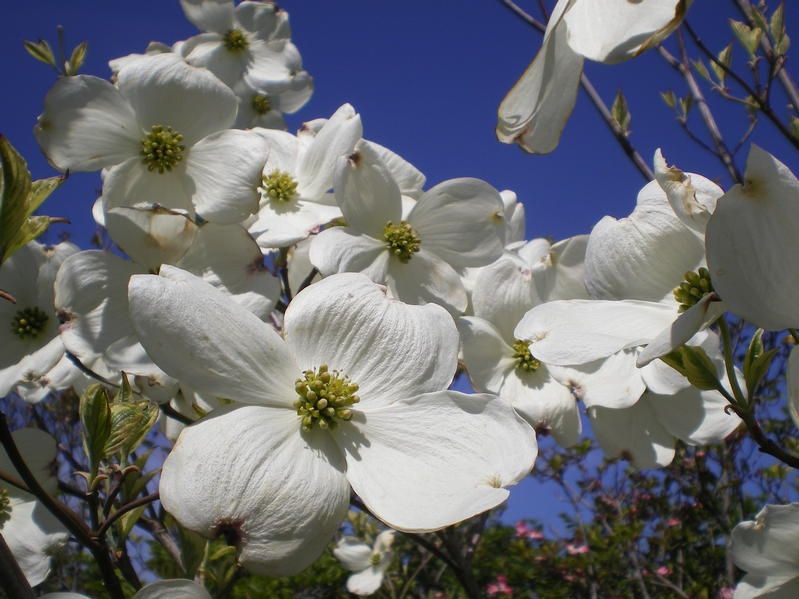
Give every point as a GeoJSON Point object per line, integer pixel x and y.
{"type": "Point", "coordinates": [427, 77]}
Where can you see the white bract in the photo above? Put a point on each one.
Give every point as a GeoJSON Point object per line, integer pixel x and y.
{"type": "Point", "coordinates": [457, 224]}
{"type": "Point", "coordinates": [163, 135]}
{"type": "Point", "coordinates": [30, 347]}
{"type": "Point", "coordinates": [369, 563]}
{"type": "Point", "coordinates": [297, 176]}
{"type": "Point", "coordinates": [767, 550]}
{"type": "Point", "coordinates": [31, 532]}
{"type": "Point", "coordinates": [162, 589]}
{"type": "Point", "coordinates": [353, 396]}
{"type": "Point", "coordinates": [752, 241]}
{"type": "Point", "coordinates": [535, 111]}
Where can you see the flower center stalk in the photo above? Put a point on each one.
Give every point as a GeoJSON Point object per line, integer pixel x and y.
{"type": "Point", "coordinates": [29, 323]}
{"type": "Point", "coordinates": [324, 398]}
{"type": "Point", "coordinates": [402, 240]}
{"type": "Point", "coordinates": [524, 359]}
{"type": "Point", "coordinates": [279, 187]}
{"type": "Point", "coordinates": [261, 103]}
{"type": "Point", "coordinates": [235, 40]}
{"type": "Point", "coordinates": [693, 288]}
{"type": "Point", "coordinates": [161, 148]}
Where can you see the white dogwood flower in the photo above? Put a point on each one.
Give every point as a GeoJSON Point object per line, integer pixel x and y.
{"type": "Point", "coordinates": [176, 588]}
{"type": "Point", "coordinates": [30, 346]}
{"type": "Point", "coordinates": [32, 533]}
{"type": "Point", "coordinates": [297, 177]}
{"type": "Point", "coordinates": [352, 396]}
{"type": "Point", "coordinates": [535, 111]}
{"type": "Point", "coordinates": [458, 223]}
{"type": "Point", "coordinates": [765, 548]}
{"type": "Point", "coordinates": [163, 135]}
{"type": "Point", "coordinates": [369, 563]}
{"type": "Point", "coordinates": [751, 239]}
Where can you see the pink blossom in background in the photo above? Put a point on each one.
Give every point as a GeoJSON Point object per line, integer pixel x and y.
{"type": "Point", "coordinates": [524, 531]}
{"type": "Point", "coordinates": [673, 522]}
{"type": "Point", "coordinates": [576, 549]}
{"type": "Point", "coordinates": [663, 571]}
{"type": "Point", "coordinates": [499, 587]}
{"type": "Point", "coordinates": [726, 593]}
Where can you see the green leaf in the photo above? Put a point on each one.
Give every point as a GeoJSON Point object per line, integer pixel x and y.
{"type": "Point", "coordinates": [670, 98]}
{"type": "Point", "coordinates": [700, 68]}
{"type": "Point", "coordinates": [747, 36]}
{"type": "Point", "coordinates": [621, 113]}
{"type": "Point", "coordinates": [77, 58]}
{"type": "Point", "coordinates": [781, 48]}
{"type": "Point", "coordinates": [777, 23]}
{"type": "Point", "coordinates": [41, 51]}
{"type": "Point", "coordinates": [725, 58]}
{"type": "Point", "coordinates": [127, 521]}
{"type": "Point", "coordinates": [695, 365]}
{"type": "Point", "coordinates": [131, 420]}
{"type": "Point", "coordinates": [95, 416]}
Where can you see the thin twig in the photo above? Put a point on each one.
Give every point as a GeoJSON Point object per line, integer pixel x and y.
{"type": "Point", "coordinates": [124, 510]}
{"type": "Point", "coordinates": [12, 578]}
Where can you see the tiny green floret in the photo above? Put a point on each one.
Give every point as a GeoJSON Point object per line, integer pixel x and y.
{"type": "Point", "coordinates": [279, 187]}
{"type": "Point", "coordinates": [524, 359]}
{"type": "Point", "coordinates": [402, 240]}
{"type": "Point", "coordinates": [375, 559]}
{"type": "Point", "coordinates": [695, 286]}
{"type": "Point", "coordinates": [324, 398]}
{"type": "Point", "coordinates": [161, 148]}
{"type": "Point", "coordinates": [29, 323]}
{"type": "Point", "coordinates": [261, 103]}
{"type": "Point", "coordinates": [235, 40]}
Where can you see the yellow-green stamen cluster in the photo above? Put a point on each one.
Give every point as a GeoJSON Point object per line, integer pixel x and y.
{"type": "Point", "coordinates": [524, 359]}
{"type": "Point", "coordinates": [235, 40]}
{"type": "Point", "coordinates": [695, 286]}
{"type": "Point", "coordinates": [261, 103]}
{"type": "Point", "coordinates": [375, 559]}
{"type": "Point", "coordinates": [29, 323]}
{"type": "Point", "coordinates": [402, 240]}
{"type": "Point", "coordinates": [279, 186]}
{"type": "Point", "coordinates": [161, 148]}
{"type": "Point", "coordinates": [324, 398]}
{"type": "Point", "coordinates": [5, 507]}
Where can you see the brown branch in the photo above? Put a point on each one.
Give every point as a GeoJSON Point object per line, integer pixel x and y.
{"type": "Point", "coordinates": [124, 510]}
{"type": "Point", "coordinates": [12, 578]}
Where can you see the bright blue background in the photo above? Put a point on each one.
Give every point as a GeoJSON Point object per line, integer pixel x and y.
{"type": "Point", "coordinates": [427, 77]}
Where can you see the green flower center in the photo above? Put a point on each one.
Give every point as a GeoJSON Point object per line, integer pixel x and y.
{"type": "Point", "coordinates": [402, 240]}
{"type": "Point", "coordinates": [29, 323]}
{"type": "Point", "coordinates": [375, 559]}
{"type": "Point", "coordinates": [693, 288]}
{"type": "Point", "coordinates": [235, 40]}
{"type": "Point", "coordinates": [5, 507]}
{"type": "Point", "coordinates": [279, 186]}
{"type": "Point", "coordinates": [524, 359]}
{"type": "Point", "coordinates": [161, 148]}
{"type": "Point", "coordinates": [324, 398]}
{"type": "Point", "coordinates": [261, 103]}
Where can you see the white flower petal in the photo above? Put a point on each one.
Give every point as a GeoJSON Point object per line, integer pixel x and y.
{"type": "Point", "coordinates": [408, 177]}
{"type": "Point", "coordinates": [336, 138]}
{"type": "Point", "coordinates": [424, 279]}
{"type": "Point", "coordinates": [692, 197]}
{"type": "Point", "coordinates": [251, 473]}
{"type": "Point", "coordinates": [792, 382]}
{"type": "Point", "coordinates": [341, 249]}
{"type": "Point", "coordinates": [748, 238]}
{"type": "Point", "coordinates": [201, 337]}
{"type": "Point", "coordinates": [534, 112]}
{"type": "Point", "coordinates": [486, 354]}
{"type": "Point", "coordinates": [561, 274]}
{"type": "Point", "coordinates": [611, 31]}
{"type": "Point", "coordinates": [570, 332]}
{"type": "Point", "coordinates": [390, 349]}
{"type": "Point", "coordinates": [767, 587]}
{"type": "Point", "coordinates": [427, 462]}
{"type": "Point", "coordinates": [131, 185]}
{"type": "Point", "coordinates": [503, 293]}
{"type": "Point", "coordinates": [32, 534]}
{"type": "Point", "coordinates": [366, 192]}
{"type": "Point", "coordinates": [265, 19]}
{"type": "Point", "coordinates": [768, 545]}
{"type": "Point", "coordinates": [644, 256]}
{"type": "Point", "coordinates": [693, 416]}
{"type": "Point", "coordinates": [209, 15]}
{"type": "Point", "coordinates": [365, 583]}
{"type": "Point", "coordinates": [225, 169]}
{"type": "Point", "coordinates": [613, 382]}
{"type": "Point", "coordinates": [87, 125]}
{"type": "Point", "coordinates": [461, 221]}
{"type": "Point", "coordinates": [354, 554]}
{"type": "Point", "coordinates": [634, 433]}
{"type": "Point", "coordinates": [164, 90]}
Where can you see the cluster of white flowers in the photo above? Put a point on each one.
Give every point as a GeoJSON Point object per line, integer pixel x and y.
{"type": "Point", "coordinates": [310, 297]}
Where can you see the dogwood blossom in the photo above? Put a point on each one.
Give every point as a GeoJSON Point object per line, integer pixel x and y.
{"type": "Point", "coordinates": [458, 223]}
{"type": "Point", "coordinates": [161, 589]}
{"type": "Point", "coordinates": [535, 111]}
{"type": "Point", "coordinates": [29, 343]}
{"type": "Point", "coordinates": [163, 135]}
{"type": "Point", "coordinates": [749, 238]}
{"type": "Point", "coordinates": [31, 532]}
{"type": "Point", "coordinates": [765, 548]}
{"type": "Point", "coordinates": [369, 564]}
{"type": "Point", "coordinates": [354, 395]}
